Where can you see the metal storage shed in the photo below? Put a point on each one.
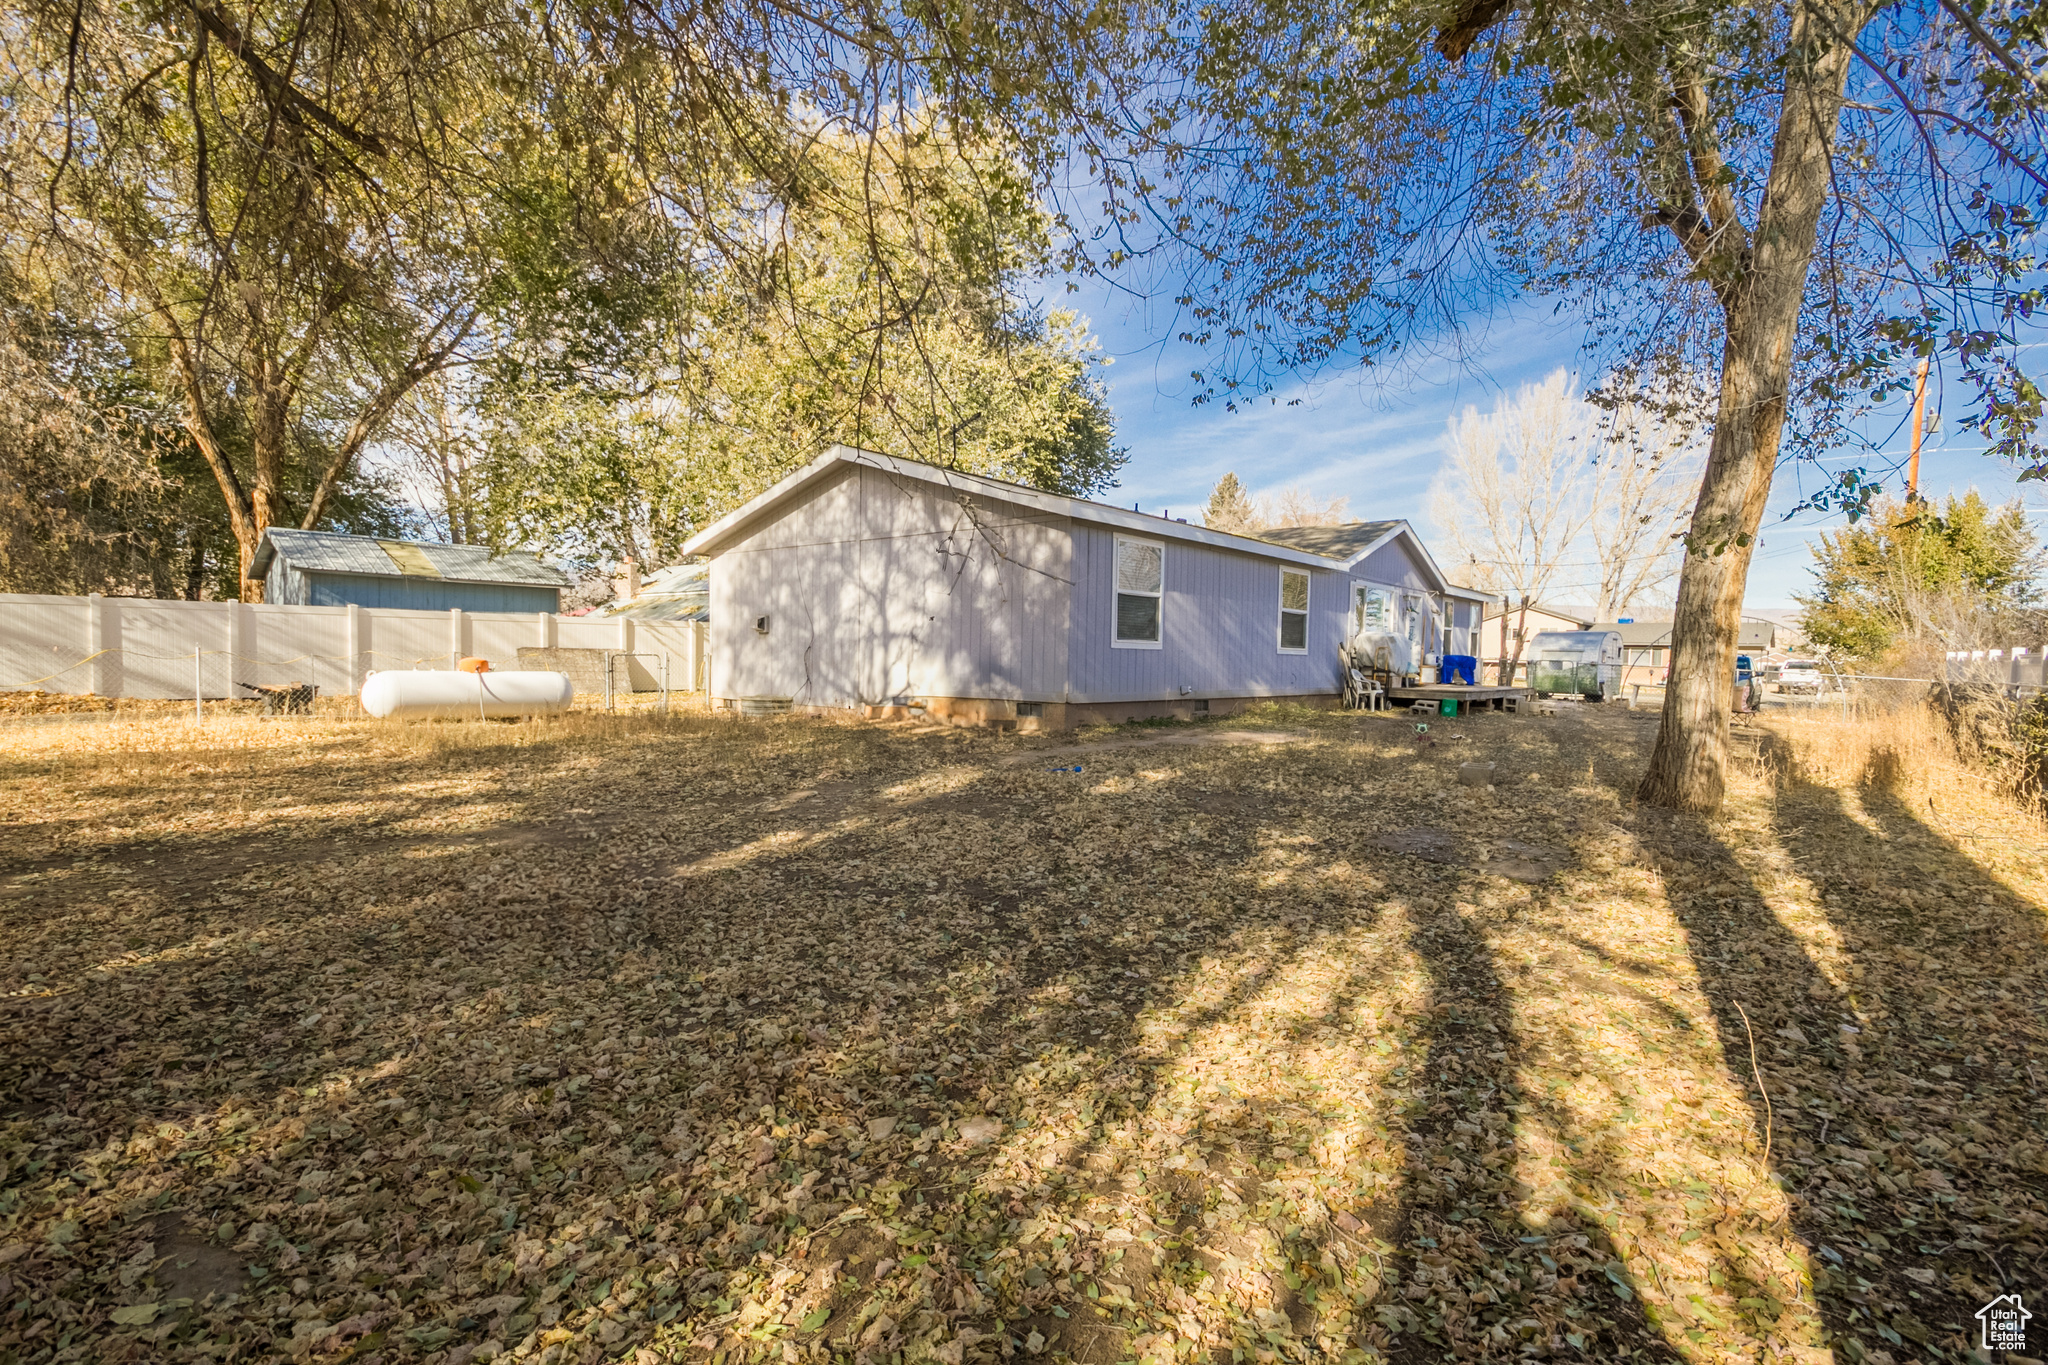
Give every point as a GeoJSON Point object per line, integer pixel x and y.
{"type": "Point", "coordinates": [325, 569]}
{"type": "Point", "coordinates": [868, 582]}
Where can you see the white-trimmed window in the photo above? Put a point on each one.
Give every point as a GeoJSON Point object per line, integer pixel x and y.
{"type": "Point", "coordinates": [1140, 593]}
{"type": "Point", "coordinates": [1293, 611]}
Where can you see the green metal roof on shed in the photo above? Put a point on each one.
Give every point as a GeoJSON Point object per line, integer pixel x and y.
{"type": "Point", "coordinates": [332, 552]}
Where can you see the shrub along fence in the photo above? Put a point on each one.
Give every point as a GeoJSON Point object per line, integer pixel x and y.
{"type": "Point", "coordinates": [1996, 704]}
{"type": "Point", "coordinates": [146, 648]}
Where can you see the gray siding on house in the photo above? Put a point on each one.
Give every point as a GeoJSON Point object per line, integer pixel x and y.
{"type": "Point", "coordinates": [1391, 566]}
{"type": "Point", "coordinates": [1219, 627]}
{"type": "Point", "coordinates": [880, 587]}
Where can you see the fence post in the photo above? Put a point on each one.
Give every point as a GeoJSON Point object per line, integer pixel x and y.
{"type": "Point", "coordinates": [96, 644]}
{"type": "Point", "coordinates": [355, 648]}
{"type": "Point", "coordinates": [198, 690]}
{"type": "Point", "coordinates": [546, 638]}
{"type": "Point", "coordinates": [664, 682]}
{"type": "Point", "coordinates": [454, 637]}
{"type": "Point", "coordinates": [607, 680]}
{"type": "Point", "coordinates": [238, 640]}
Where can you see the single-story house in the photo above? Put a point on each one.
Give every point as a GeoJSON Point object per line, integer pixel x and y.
{"type": "Point", "coordinates": [326, 569]}
{"type": "Point", "coordinates": [868, 582]}
{"type": "Point", "coordinates": [1646, 646]}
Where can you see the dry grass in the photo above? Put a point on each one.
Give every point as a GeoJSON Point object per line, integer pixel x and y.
{"type": "Point", "coordinates": [680, 1037]}
{"type": "Point", "coordinates": [1908, 750]}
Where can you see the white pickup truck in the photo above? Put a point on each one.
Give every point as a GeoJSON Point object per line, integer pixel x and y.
{"type": "Point", "coordinates": [1801, 675]}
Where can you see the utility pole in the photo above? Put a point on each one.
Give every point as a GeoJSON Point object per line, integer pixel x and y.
{"type": "Point", "coordinates": [1919, 416]}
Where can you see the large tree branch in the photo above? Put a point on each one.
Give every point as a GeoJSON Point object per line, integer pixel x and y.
{"type": "Point", "coordinates": [1700, 206]}
{"type": "Point", "coordinates": [284, 97]}
{"type": "Point", "coordinates": [70, 93]}
{"type": "Point", "coordinates": [1470, 20]}
{"type": "Point", "coordinates": [1681, 210]}
{"type": "Point", "coordinates": [199, 426]}
{"type": "Point", "coordinates": [202, 190]}
{"type": "Point", "coordinates": [427, 359]}
{"type": "Point", "coordinates": [1709, 169]}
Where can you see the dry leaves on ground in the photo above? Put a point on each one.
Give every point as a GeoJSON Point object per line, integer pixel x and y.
{"type": "Point", "coordinates": [638, 1039]}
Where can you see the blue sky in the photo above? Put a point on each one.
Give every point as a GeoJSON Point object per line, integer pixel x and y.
{"type": "Point", "coordinates": [1377, 441]}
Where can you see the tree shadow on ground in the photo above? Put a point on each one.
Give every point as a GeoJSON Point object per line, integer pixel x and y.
{"type": "Point", "coordinates": [1882, 979]}
{"type": "Point", "coordinates": [1495, 1261]}
{"type": "Point", "coordinates": [621, 1090]}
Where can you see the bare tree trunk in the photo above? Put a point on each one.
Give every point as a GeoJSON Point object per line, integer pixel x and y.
{"type": "Point", "coordinates": [268, 434]}
{"type": "Point", "coordinates": [1688, 769]}
{"type": "Point", "coordinates": [1513, 664]}
{"type": "Point", "coordinates": [198, 424]}
{"type": "Point", "coordinates": [195, 572]}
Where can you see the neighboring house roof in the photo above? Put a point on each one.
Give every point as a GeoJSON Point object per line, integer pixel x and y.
{"type": "Point", "coordinates": [1350, 542]}
{"type": "Point", "coordinates": [1756, 633]}
{"type": "Point", "coordinates": [1492, 599]}
{"type": "Point", "coordinates": [1583, 620]}
{"type": "Point", "coordinates": [716, 537]}
{"type": "Point", "coordinates": [680, 593]}
{"type": "Point", "coordinates": [330, 552]}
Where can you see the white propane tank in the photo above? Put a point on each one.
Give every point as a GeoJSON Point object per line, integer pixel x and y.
{"type": "Point", "coordinates": [460, 696]}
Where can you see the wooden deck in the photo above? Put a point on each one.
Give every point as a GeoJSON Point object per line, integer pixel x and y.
{"type": "Point", "coordinates": [1469, 699]}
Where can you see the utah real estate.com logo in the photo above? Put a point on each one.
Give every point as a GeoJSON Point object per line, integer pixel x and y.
{"type": "Point", "coordinates": [2005, 1323]}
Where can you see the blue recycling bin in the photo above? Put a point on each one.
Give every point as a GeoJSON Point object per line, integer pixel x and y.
{"type": "Point", "coordinates": [1460, 668]}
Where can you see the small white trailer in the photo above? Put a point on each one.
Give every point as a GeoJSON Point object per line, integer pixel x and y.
{"type": "Point", "coordinates": [1584, 663]}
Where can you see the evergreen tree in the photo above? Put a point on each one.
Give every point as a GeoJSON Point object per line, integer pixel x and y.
{"type": "Point", "coordinates": [1230, 507]}
{"type": "Point", "coordinates": [1912, 573]}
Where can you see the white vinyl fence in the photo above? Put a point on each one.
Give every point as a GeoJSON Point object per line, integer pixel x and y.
{"type": "Point", "coordinates": [140, 647]}
{"type": "Point", "coordinates": [2015, 670]}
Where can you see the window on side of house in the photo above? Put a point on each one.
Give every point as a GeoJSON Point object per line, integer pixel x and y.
{"type": "Point", "coordinates": [1293, 612]}
{"type": "Point", "coordinates": [1140, 590]}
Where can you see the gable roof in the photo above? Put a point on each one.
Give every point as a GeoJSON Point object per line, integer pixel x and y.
{"type": "Point", "coordinates": [332, 552]}
{"type": "Point", "coordinates": [720, 534]}
{"type": "Point", "coordinates": [1348, 541]}
{"type": "Point", "coordinates": [1351, 542]}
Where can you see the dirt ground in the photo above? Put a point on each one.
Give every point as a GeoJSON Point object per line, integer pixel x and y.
{"type": "Point", "coordinates": [672, 1038]}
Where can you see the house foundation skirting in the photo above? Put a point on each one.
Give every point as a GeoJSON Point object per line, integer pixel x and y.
{"type": "Point", "coordinates": [994, 713]}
